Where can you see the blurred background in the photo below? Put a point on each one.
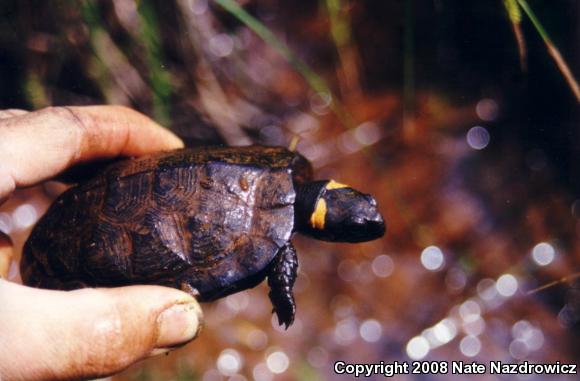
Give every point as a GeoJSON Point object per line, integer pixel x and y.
{"type": "Point", "coordinates": [457, 116]}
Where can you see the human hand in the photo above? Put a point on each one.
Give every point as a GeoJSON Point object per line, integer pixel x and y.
{"type": "Point", "coordinates": [89, 333]}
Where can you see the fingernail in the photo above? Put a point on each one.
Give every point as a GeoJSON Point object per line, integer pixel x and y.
{"type": "Point", "coordinates": [178, 324]}
{"type": "Point", "coordinates": [174, 141]}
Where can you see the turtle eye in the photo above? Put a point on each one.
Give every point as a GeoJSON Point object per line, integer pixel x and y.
{"type": "Point", "coordinates": [371, 200]}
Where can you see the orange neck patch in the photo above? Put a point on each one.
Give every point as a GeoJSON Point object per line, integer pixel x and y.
{"type": "Point", "coordinates": [319, 214]}
{"type": "Point", "coordinates": [335, 185]}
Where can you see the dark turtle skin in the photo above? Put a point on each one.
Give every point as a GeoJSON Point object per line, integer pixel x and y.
{"type": "Point", "coordinates": [211, 221]}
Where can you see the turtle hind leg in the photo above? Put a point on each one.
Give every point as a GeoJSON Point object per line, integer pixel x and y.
{"type": "Point", "coordinates": [281, 278]}
{"type": "Point", "coordinates": [35, 274]}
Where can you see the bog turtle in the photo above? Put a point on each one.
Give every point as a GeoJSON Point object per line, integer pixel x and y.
{"type": "Point", "coordinates": [211, 221]}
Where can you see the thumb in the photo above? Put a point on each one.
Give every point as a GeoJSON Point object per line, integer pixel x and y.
{"type": "Point", "coordinates": [89, 333]}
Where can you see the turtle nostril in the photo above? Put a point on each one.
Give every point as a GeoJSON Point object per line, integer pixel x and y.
{"type": "Point", "coordinates": [376, 225]}
{"type": "Point", "coordinates": [376, 218]}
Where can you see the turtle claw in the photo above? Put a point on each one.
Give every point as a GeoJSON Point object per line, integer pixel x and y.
{"type": "Point", "coordinates": [186, 287]}
{"type": "Point", "coordinates": [286, 313]}
{"type": "Point", "coordinates": [283, 271]}
{"type": "Point", "coordinates": [286, 323]}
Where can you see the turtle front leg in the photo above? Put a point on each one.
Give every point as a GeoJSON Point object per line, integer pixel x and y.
{"type": "Point", "coordinates": [186, 287]}
{"type": "Point", "coordinates": [281, 278]}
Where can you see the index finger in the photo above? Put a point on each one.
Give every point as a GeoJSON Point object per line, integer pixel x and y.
{"type": "Point", "coordinates": [38, 145]}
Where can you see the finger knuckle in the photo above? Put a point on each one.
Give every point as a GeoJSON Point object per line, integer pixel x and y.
{"type": "Point", "coordinates": [67, 116]}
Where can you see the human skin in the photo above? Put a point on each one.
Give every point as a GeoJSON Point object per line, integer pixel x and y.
{"type": "Point", "coordinates": [89, 333]}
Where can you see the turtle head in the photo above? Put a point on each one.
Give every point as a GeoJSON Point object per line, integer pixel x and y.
{"type": "Point", "coordinates": [331, 211]}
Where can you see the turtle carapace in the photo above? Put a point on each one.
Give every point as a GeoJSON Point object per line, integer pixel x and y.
{"type": "Point", "coordinates": [211, 220]}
